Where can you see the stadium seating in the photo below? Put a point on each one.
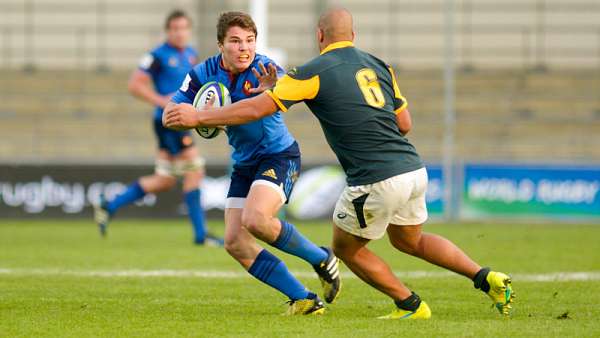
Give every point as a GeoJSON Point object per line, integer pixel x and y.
{"type": "Point", "coordinates": [76, 99]}
{"type": "Point", "coordinates": [501, 115]}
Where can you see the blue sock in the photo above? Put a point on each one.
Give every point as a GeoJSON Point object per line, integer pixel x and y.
{"type": "Point", "coordinates": [133, 193]}
{"type": "Point", "coordinates": [196, 214]}
{"type": "Point", "coordinates": [290, 240]}
{"type": "Point", "coordinates": [272, 271]}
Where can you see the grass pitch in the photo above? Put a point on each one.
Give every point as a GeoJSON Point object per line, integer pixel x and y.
{"type": "Point", "coordinates": [59, 278]}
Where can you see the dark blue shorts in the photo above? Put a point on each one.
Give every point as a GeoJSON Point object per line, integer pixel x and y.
{"type": "Point", "coordinates": [171, 140]}
{"type": "Point", "coordinates": [281, 169]}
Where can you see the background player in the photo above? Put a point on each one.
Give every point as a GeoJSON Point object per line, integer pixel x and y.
{"type": "Point", "coordinates": [159, 75]}
{"type": "Point", "coordinates": [266, 164]}
{"type": "Point", "coordinates": [363, 114]}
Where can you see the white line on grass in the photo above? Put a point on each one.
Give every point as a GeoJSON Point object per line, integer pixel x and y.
{"type": "Point", "coordinates": [542, 277]}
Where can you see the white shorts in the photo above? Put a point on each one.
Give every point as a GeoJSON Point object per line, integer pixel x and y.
{"type": "Point", "coordinates": [367, 210]}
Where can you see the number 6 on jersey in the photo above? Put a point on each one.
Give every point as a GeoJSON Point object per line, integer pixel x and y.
{"type": "Point", "coordinates": [371, 90]}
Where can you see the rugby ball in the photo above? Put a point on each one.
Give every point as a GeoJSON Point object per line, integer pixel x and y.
{"type": "Point", "coordinates": [222, 97]}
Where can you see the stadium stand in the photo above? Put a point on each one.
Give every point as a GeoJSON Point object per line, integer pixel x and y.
{"type": "Point", "coordinates": [527, 88]}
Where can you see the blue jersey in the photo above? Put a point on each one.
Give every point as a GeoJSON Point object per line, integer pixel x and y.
{"type": "Point", "coordinates": [250, 141]}
{"type": "Point", "coordinates": [167, 66]}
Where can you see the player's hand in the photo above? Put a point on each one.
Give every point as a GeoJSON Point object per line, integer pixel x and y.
{"type": "Point", "coordinates": [180, 116]}
{"type": "Point", "coordinates": [266, 78]}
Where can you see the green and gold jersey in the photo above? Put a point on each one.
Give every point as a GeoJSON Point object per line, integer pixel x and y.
{"type": "Point", "coordinates": [355, 97]}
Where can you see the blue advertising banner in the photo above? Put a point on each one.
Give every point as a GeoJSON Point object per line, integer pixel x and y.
{"type": "Point", "coordinates": [530, 190]}
{"type": "Point", "coordinates": [435, 191]}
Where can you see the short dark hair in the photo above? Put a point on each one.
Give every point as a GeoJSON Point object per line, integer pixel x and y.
{"type": "Point", "coordinates": [234, 19]}
{"type": "Point", "coordinates": [176, 14]}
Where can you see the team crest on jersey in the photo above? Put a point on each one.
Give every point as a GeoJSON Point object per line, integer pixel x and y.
{"type": "Point", "coordinates": [173, 61]}
{"type": "Point", "coordinates": [246, 87]}
{"type": "Point", "coordinates": [192, 60]}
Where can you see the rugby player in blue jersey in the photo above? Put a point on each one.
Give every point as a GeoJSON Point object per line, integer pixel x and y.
{"type": "Point", "coordinates": [266, 164]}
{"type": "Point", "coordinates": [158, 76]}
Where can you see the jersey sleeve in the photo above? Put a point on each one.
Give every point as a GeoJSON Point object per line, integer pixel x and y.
{"type": "Point", "coordinates": [296, 86]}
{"type": "Point", "coordinates": [189, 87]}
{"type": "Point", "coordinates": [399, 101]}
{"type": "Point", "coordinates": [149, 64]}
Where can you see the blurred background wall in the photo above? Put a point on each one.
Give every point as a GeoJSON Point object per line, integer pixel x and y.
{"type": "Point", "coordinates": [528, 74]}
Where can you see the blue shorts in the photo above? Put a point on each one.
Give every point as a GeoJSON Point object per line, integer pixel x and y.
{"type": "Point", "coordinates": [172, 141]}
{"type": "Point", "coordinates": [278, 170]}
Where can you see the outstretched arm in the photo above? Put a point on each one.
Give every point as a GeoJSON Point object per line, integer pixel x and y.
{"type": "Point", "coordinates": [185, 116]}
